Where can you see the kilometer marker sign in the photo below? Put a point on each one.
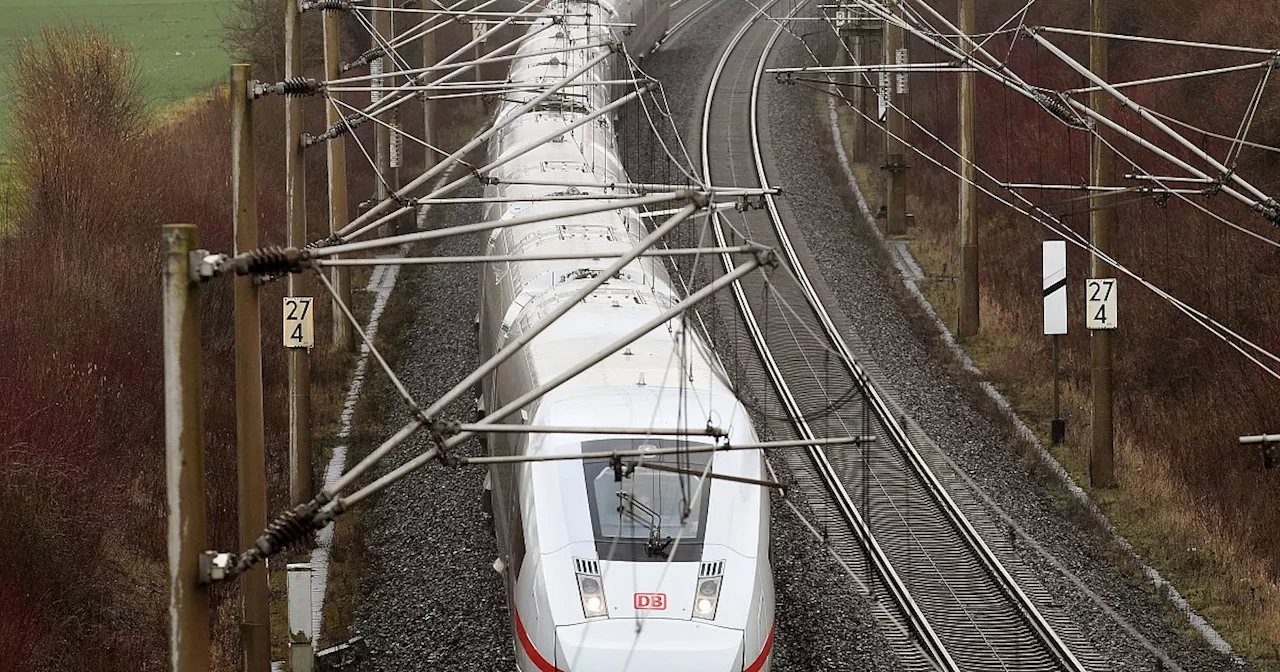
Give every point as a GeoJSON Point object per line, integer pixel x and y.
{"type": "Point", "coordinates": [1100, 303]}
{"type": "Point", "coordinates": [298, 322]}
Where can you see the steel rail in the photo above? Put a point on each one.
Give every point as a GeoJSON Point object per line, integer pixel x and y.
{"type": "Point", "coordinates": [886, 417]}
{"type": "Point", "coordinates": [916, 620]}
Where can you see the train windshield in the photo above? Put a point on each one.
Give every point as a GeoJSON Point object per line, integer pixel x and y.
{"type": "Point", "coordinates": [641, 506]}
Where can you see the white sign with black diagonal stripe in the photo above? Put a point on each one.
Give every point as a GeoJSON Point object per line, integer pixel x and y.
{"type": "Point", "coordinates": [1055, 287]}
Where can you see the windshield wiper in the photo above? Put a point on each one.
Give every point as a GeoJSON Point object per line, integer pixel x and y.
{"type": "Point", "coordinates": [656, 544]}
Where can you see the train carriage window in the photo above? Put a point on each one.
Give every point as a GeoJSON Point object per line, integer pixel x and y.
{"type": "Point", "coordinates": [637, 514]}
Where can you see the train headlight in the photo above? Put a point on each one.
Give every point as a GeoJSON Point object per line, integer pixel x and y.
{"type": "Point", "coordinates": [707, 598]}
{"type": "Point", "coordinates": [592, 593]}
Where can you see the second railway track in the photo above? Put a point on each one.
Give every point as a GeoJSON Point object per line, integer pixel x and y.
{"type": "Point", "coordinates": [952, 604]}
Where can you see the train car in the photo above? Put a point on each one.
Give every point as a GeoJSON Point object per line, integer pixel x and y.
{"type": "Point", "coordinates": [646, 564]}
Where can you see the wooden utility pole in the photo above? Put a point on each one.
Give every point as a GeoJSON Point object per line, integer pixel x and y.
{"type": "Point", "coordinates": [1101, 168]}
{"type": "Point", "coordinates": [300, 486]}
{"type": "Point", "coordinates": [967, 318]}
{"type": "Point", "coordinates": [255, 614]}
{"type": "Point", "coordinates": [337, 157]}
{"type": "Point", "coordinates": [188, 532]}
{"type": "Point", "coordinates": [895, 162]}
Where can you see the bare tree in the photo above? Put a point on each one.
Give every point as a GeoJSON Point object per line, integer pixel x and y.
{"type": "Point", "coordinates": [253, 31]}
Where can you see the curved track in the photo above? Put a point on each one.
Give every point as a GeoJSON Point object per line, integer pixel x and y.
{"type": "Point", "coordinates": [953, 604]}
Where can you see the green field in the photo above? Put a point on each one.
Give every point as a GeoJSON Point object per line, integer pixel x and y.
{"type": "Point", "coordinates": [178, 43]}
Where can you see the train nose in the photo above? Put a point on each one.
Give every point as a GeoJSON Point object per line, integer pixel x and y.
{"type": "Point", "coordinates": [614, 645]}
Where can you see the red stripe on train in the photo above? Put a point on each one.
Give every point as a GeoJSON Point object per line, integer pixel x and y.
{"type": "Point", "coordinates": [544, 665]}
{"type": "Point", "coordinates": [764, 654]}
{"type": "Point", "coordinates": [538, 661]}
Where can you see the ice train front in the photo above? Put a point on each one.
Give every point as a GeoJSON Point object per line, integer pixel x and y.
{"type": "Point", "coordinates": [648, 568]}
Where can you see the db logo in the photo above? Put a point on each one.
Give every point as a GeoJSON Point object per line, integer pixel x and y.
{"type": "Point", "coordinates": [654, 601]}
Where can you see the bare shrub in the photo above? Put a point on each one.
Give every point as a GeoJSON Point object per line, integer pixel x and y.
{"type": "Point", "coordinates": [76, 96]}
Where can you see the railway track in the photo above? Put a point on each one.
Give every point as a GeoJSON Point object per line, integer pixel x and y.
{"type": "Point", "coordinates": [950, 602]}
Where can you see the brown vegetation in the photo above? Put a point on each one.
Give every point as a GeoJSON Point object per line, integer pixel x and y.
{"type": "Point", "coordinates": [1195, 503]}
{"type": "Point", "coordinates": [82, 543]}
{"type": "Point", "coordinates": [81, 443]}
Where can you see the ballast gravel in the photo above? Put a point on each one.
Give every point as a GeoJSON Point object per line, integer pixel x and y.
{"type": "Point", "coordinates": [949, 406]}
{"type": "Point", "coordinates": [432, 600]}
{"type": "Point", "coordinates": [823, 624]}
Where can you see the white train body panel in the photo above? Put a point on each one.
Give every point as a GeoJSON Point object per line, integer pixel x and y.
{"type": "Point", "coordinates": [560, 521]}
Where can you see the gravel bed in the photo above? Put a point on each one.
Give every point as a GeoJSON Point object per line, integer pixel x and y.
{"type": "Point", "coordinates": [433, 600]}
{"type": "Point", "coordinates": [947, 404]}
{"type": "Point", "coordinates": [823, 623]}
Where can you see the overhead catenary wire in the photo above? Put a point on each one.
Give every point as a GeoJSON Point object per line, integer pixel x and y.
{"type": "Point", "coordinates": [1046, 219]}
{"type": "Point", "coordinates": [1056, 226]}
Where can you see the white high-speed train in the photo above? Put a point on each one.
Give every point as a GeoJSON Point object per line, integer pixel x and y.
{"type": "Point", "coordinates": [609, 568]}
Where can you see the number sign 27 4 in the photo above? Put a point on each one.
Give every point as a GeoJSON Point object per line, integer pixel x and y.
{"type": "Point", "coordinates": [1100, 303]}
{"type": "Point", "coordinates": [299, 323]}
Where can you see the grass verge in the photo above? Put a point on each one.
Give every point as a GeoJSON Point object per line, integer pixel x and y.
{"type": "Point", "coordinates": [1169, 525]}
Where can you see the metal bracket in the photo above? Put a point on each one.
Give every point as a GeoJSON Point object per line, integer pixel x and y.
{"type": "Point", "coordinates": [205, 266]}
{"type": "Point", "coordinates": [215, 567]}
{"type": "Point", "coordinates": [257, 89]}
{"type": "Point", "coordinates": [1267, 444]}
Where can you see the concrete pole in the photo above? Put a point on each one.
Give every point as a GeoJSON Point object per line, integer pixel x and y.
{"type": "Point", "coordinates": [255, 615]}
{"type": "Point", "coordinates": [396, 140]}
{"type": "Point", "coordinates": [337, 157]}
{"type": "Point", "coordinates": [188, 532]}
{"type": "Point", "coordinates": [302, 653]}
{"type": "Point", "coordinates": [868, 54]}
{"type": "Point", "coordinates": [428, 127]}
{"type": "Point", "coordinates": [477, 53]}
{"type": "Point", "coordinates": [382, 134]}
{"type": "Point", "coordinates": [1101, 168]}
{"type": "Point", "coordinates": [855, 92]}
{"type": "Point", "coordinates": [895, 161]}
{"type": "Point", "coordinates": [967, 314]}
{"type": "Point", "coordinates": [300, 486]}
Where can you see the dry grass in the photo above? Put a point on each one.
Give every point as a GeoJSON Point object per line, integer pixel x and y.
{"type": "Point", "coordinates": [81, 430]}
{"type": "Point", "coordinates": [1194, 505]}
